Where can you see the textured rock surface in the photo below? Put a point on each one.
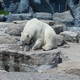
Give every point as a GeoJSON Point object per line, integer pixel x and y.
{"type": "Point", "coordinates": [59, 27]}
{"type": "Point", "coordinates": [23, 6]}
{"type": "Point", "coordinates": [63, 17]}
{"type": "Point", "coordinates": [60, 40]}
{"type": "Point", "coordinates": [70, 36]}
{"type": "Point", "coordinates": [7, 40]}
{"type": "Point", "coordinates": [77, 16]}
{"type": "Point", "coordinates": [13, 17]}
{"type": "Point", "coordinates": [44, 16]}
{"type": "Point", "coordinates": [37, 76]}
{"type": "Point", "coordinates": [26, 61]}
{"type": "Point", "coordinates": [14, 29]}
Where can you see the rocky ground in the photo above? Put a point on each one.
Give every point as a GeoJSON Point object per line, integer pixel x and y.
{"type": "Point", "coordinates": [37, 76]}
{"type": "Point", "coordinates": [58, 64]}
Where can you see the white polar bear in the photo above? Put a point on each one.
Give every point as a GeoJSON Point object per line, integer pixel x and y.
{"type": "Point", "coordinates": [43, 35]}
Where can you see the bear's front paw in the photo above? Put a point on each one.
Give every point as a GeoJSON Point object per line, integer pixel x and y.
{"type": "Point", "coordinates": [45, 48]}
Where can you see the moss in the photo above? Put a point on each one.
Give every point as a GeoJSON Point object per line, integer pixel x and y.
{"type": "Point", "coordinates": [3, 12]}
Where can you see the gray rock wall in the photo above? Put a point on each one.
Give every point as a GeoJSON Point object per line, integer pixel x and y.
{"type": "Point", "coordinates": [38, 5]}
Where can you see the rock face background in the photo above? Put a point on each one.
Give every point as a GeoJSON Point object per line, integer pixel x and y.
{"type": "Point", "coordinates": [24, 6]}
{"type": "Point", "coordinates": [42, 6]}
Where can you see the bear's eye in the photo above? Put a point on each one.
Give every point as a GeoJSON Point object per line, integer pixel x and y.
{"type": "Point", "coordinates": [28, 36]}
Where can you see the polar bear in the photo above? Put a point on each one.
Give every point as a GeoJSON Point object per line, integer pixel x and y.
{"type": "Point", "coordinates": [40, 32]}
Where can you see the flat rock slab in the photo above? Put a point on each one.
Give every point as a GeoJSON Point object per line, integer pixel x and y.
{"type": "Point", "coordinates": [73, 52]}
{"type": "Point", "coordinates": [37, 76]}
{"type": "Point", "coordinates": [12, 57]}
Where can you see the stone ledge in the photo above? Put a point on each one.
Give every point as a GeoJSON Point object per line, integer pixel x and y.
{"type": "Point", "coordinates": [21, 61]}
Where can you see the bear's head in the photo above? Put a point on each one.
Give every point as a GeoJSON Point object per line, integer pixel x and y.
{"type": "Point", "coordinates": [25, 38]}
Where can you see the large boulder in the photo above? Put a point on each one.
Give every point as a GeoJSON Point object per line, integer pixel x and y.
{"type": "Point", "coordinates": [70, 36]}
{"type": "Point", "coordinates": [60, 40]}
{"type": "Point", "coordinates": [28, 61]}
{"type": "Point", "coordinates": [58, 27]}
{"type": "Point", "coordinates": [63, 17]}
{"type": "Point", "coordinates": [14, 29]}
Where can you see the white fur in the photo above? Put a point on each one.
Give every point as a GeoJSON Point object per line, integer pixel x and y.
{"type": "Point", "coordinates": [41, 32]}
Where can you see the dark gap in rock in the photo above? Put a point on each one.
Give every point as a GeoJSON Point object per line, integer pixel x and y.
{"type": "Point", "coordinates": [6, 68]}
{"type": "Point", "coordinates": [17, 69]}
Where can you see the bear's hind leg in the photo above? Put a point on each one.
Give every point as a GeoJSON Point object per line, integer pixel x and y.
{"type": "Point", "coordinates": [50, 44]}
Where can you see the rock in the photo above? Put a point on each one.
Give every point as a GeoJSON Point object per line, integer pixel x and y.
{"type": "Point", "coordinates": [3, 27]}
{"type": "Point", "coordinates": [30, 60]}
{"type": "Point", "coordinates": [60, 40]}
{"type": "Point", "coordinates": [28, 68]}
{"type": "Point", "coordinates": [43, 15]}
{"type": "Point", "coordinates": [74, 29]}
{"type": "Point", "coordinates": [13, 17]}
{"type": "Point", "coordinates": [77, 16]}
{"type": "Point", "coordinates": [7, 46]}
{"type": "Point", "coordinates": [63, 17]}
{"type": "Point", "coordinates": [70, 67]}
{"type": "Point", "coordinates": [10, 5]}
{"type": "Point", "coordinates": [14, 29]}
{"type": "Point", "coordinates": [7, 40]}
{"type": "Point", "coordinates": [70, 36]}
{"type": "Point", "coordinates": [2, 71]}
{"type": "Point", "coordinates": [23, 6]}
{"type": "Point", "coordinates": [1, 6]}
{"type": "Point", "coordinates": [43, 68]}
{"type": "Point", "coordinates": [37, 76]}
{"type": "Point", "coordinates": [2, 18]}
{"type": "Point", "coordinates": [13, 7]}
{"type": "Point", "coordinates": [41, 6]}
{"type": "Point", "coordinates": [59, 27]}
